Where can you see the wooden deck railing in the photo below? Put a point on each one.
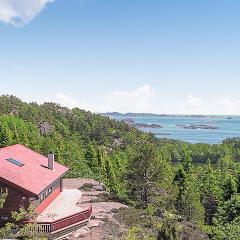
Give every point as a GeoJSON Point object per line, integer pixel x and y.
{"type": "Point", "coordinates": [51, 227]}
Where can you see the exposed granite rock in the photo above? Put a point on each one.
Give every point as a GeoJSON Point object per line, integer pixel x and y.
{"type": "Point", "coordinates": [128, 120]}
{"type": "Point", "coordinates": [193, 126]}
{"type": "Point", "coordinates": [111, 220]}
{"type": "Point", "coordinates": [162, 134]}
{"type": "Point", "coordinates": [145, 125]}
{"type": "Point", "coordinates": [102, 225]}
{"type": "Point", "coordinates": [45, 128]}
{"type": "Point", "coordinates": [137, 217]}
{"type": "Point", "coordinates": [189, 231]}
{"type": "Point", "coordinates": [131, 122]}
{"type": "Point", "coordinates": [14, 111]}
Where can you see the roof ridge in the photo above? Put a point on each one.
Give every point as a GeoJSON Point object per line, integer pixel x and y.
{"type": "Point", "coordinates": [21, 145]}
{"type": "Point", "coordinates": [2, 148]}
{"type": "Point", "coordinates": [33, 170]}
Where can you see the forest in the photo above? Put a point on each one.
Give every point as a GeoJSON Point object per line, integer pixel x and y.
{"type": "Point", "coordinates": [197, 183]}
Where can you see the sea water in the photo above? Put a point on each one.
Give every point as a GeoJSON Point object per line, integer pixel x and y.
{"type": "Point", "coordinates": [227, 127]}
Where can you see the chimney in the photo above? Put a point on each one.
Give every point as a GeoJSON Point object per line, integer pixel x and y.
{"type": "Point", "coordinates": [51, 161]}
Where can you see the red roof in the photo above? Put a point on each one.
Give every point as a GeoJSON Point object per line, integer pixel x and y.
{"type": "Point", "coordinates": [34, 176]}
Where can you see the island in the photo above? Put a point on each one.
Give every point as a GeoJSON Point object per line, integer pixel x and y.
{"type": "Point", "coordinates": [162, 134]}
{"type": "Point", "coordinates": [198, 126]}
{"type": "Point", "coordinates": [128, 120]}
{"type": "Point", "coordinates": [131, 122]}
{"type": "Point", "coordinates": [145, 125]}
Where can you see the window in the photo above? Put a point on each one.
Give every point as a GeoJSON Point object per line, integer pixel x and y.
{"type": "Point", "coordinates": [15, 162]}
{"type": "Point", "coordinates": [45, 194]}
{"type": "Point", "coordinates": [41, 197]}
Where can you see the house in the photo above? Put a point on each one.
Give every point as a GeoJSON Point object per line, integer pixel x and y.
{"type": "Point", "coordinates": [33, 179]}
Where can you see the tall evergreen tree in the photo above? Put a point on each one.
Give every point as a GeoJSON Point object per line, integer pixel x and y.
{"type": "Point", "coordinates": [6, 136]}
{"type": "Point", "coordinates": [102, 160]}
{"type": "Point", "coordinates": [91, 158]}
{"type": "Point", "coordinates": [229, 187]}
{"type": "Point", "coordinates": [143, 173]}
{"type": "Point", "coordinates": [187, 201]}
{"type": "Point", "coordinates": [192, 208]}
{"type": "Point", "coordinates": [210, 193]}
{"type": "Point", "coordinates": [180, 181]}
{"type": "Point", "coordinates": [187, 162]}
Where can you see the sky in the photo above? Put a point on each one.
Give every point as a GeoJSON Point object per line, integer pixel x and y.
{"type": "Point", "coordinates": [159, 56]}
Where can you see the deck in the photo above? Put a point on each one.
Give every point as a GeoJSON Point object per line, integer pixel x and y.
{"type": "Point", "coordinates": [67, 203]}
{"type": "Point", "coordinates": [64, 213]}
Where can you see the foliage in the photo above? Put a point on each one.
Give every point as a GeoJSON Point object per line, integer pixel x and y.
{"type": "Point", "coordinates": [198, 183]}
{"type": "Point", "coordinates": [28, 230]}
{"type": "Point", "coordinates": [6, 231]}
{"type": "Point", "coordinates": [168, 230]}
{"type": "Point", "coordinates": [136, 233]}
{"type": "Point", "coordinates": [3, 196]}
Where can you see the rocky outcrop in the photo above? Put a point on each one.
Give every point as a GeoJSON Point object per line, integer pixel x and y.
{"type": "Point", "coordinates": [199, 126]}
{"type": "Point", "coordinates": [189, 231]}
{"type": "Point", "coordinates": [131, 122]}
{"type": "Point", "coordinates": [112, 220]}
{"type": "Point", "coordinates": [145, 125]}
{"type": "Point", "coordinates": [162, 134]}
{"type": "Point", "coordinates": [45, 128]}
{"type": "Point", "coordinates": [103, 210]}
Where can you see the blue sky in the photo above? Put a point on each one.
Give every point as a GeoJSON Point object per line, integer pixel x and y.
{"type": "Point", "coordinates": [130, 55]}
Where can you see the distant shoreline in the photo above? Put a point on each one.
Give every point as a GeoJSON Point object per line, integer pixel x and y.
{"type": "Point", "coordinates": [210, 129]}
{"type": "Point", "coordinates": [130, 114]}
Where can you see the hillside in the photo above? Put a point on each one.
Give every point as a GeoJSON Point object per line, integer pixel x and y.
{"type": "Point", "coordinates": [175, 186]}
{"type": "Point", "coordinates": [90, 145]}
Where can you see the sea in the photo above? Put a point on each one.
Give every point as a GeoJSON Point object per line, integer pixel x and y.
{"type": "Point", "coordinates": [225, 127]}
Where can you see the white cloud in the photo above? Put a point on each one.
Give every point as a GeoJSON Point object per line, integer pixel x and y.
{"type": "Point", "coordinates": [20, 12]}
{"type": "Point", "coordinates": [196, 105]}
{"type": "Point", "coordinates": [66, 101]}
{"type": "Point", "coordinates": [227, 106]}
{"type": "Point", "coordinates": [138, 100]}
{"type": "Point", "coordinates": [194, 102]}
{"type": "Point", "coordinates": [62, 99]}
{"type": "Point", "coordinates": [192, 105]}
{"type": "Point", "coordinates": [143, 99]}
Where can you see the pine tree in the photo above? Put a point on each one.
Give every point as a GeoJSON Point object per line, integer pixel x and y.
{"type": "Point", "coordinates": [168, 230]}
{"type": "Point", "coordinates": [238, 178]}
{"type": "Point", "coordinates": [187, 162]}
{"type": "Point", "coordinates": [187, 201]}
{"type": "Point", "coordinates": [15, 134]}
{"type": "Point", "coordinates": [192, 208]}
{"type": "Point", "coordinates": [180, 181]}
{"type": "Point", "coordinates": [102, 159]}
{"type": "Point", "coordinates": [6, 137]}
{"type": "Point", "coordinates": [91, 158]}
{"type": "Point", "coordinates": [112, 181]}
{"type": "Point", "coordinates": [210, 193]}
{"type": "Point", "coordinates": [142, 175]}
{"type": "Point", "coordinates": [229, 187]}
